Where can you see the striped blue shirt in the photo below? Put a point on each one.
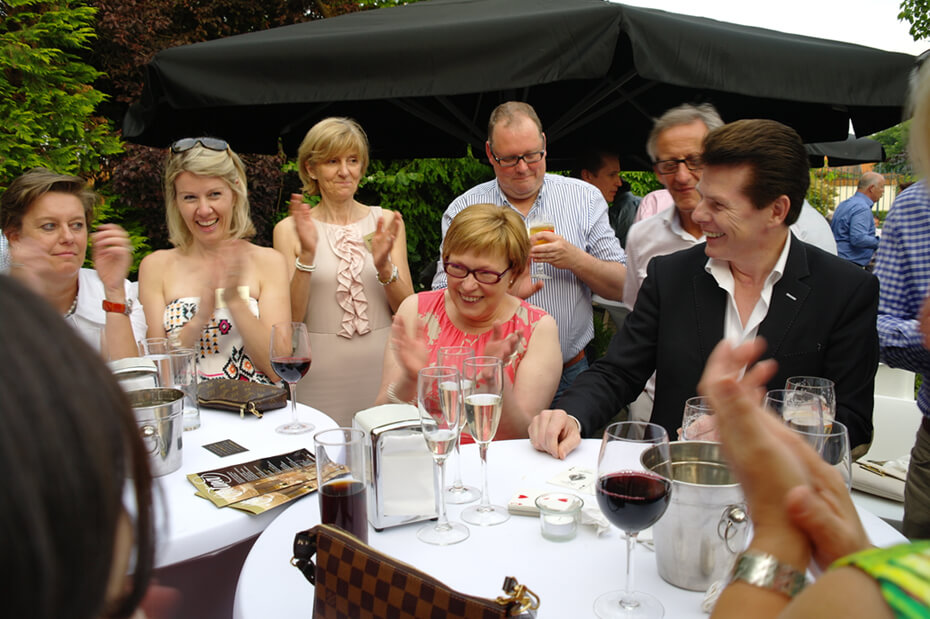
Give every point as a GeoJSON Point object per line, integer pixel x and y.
{"type": "Point", "coordinates": [579, 213]}
{"type": "Point", "coordinates": [902, 264]}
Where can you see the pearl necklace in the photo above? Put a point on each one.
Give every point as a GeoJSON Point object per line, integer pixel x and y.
{"type": "Point", "coordinates": [73, 307]}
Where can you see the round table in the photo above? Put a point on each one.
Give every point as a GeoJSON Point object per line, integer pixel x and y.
{"type": "Point", "coordinates": [190, 526]}
{"type": "Point", "coordinates": [567, 576]}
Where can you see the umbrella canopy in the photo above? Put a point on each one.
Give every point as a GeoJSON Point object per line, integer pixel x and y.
{"type": "Point", "coordinates": [423, 78]}
{"type": "Point", "coordinates": [851, 151]}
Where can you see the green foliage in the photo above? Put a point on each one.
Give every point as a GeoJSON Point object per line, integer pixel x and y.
{"type": "Point", "coordinates": [822, 192]}
{"type": "Point", "coordinates": [421, 189]}
{"type": "Point", "coordinates": [47, 103]}
{"type": "Point", "coordinates": [641, 183]}
{"type": "Point", "coordinates": [917, 14]}
{"type": "Point", "coordinates": [894, 140]}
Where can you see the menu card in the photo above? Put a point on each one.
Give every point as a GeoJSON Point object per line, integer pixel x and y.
{"type": "Point", "coordinates": [259, 485]}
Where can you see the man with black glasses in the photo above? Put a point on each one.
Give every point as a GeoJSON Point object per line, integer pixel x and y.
{"type": "Point", "coordinates": [581, 256]}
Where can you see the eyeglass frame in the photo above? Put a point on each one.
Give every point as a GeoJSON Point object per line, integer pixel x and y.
{"type": "Point", "coordinates": [183, 145]}
{"type": "Point", "coordinates": [691, 166]}
{"type": "Point", "coordinates": [518, 158]}
{"type": "Point", "coordinates": [474, 272]}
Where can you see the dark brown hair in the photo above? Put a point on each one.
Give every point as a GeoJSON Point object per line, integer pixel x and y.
{"type": "Point", "coordinates": [69, 446]}
{"type": "Point", "coordinates": [775, 155]}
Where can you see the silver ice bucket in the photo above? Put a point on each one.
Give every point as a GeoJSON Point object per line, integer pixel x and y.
{"type": "Point", "coordinates": [160, 416]}
{"type": "Point", "coordinates": [706, 523]}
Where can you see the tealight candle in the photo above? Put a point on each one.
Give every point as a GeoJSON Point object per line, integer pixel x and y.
{"type": "Point", "coordinates": [559, 515]}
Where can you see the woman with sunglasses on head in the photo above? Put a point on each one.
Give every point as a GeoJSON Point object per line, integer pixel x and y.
{"type": "Point", "coordinates": [214, 291]}
{"type": "Point", "coordinates": [45, 216]}
{"type": "Point", "coordinates": [485, 251]}
{"type": "Point", "coordinates": [348, 270]}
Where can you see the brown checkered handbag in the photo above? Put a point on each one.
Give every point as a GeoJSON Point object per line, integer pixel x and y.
{"type": "Point", "coordinates": [355, 581]}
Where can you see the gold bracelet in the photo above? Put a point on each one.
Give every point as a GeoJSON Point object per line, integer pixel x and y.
{"type": "Point", "coordinates": [306, 268]}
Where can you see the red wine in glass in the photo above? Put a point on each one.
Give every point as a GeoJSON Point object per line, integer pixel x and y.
{"type": "Point", "coordinates": [290, 359]}
{"type": "Point", "coordinates": [633, 500]}
{"type": "Point", "coordinates": [290, 369]}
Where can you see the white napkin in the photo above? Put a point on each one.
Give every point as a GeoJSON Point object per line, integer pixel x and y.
{"type": "Point", "coordinates": [406, 476]}
{"type": "Point", "coordinates": [888, 483]}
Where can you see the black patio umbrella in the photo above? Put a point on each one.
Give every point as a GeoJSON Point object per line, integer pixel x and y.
{"type": "Point", "coordinates": [851, 151]}
{"type": "Point", "coordinates": [423, 78]}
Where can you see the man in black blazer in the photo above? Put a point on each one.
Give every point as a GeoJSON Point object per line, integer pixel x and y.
{"type": "Point", "coordinates": [752, 277]}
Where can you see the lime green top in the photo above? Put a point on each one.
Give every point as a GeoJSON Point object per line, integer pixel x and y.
{"type": "Point", "coordinates": [902, 573]}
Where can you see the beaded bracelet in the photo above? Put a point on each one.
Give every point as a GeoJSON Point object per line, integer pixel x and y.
{"type": "Point", "coordinates": [304, 267]}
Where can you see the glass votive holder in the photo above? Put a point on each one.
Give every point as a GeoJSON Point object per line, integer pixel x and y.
{"type": "Point", "coordinates": [559, 515]}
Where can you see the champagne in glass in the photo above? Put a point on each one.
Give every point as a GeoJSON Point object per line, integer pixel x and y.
{"type": "Point", "coordinates": [698, 422]}
{"type": "Point", "coordinates": [458, 493]}
{"type": "Point", "coordinates": [290, 359]}
{"type": "Point", "coordinates": [539, 223]}
{"type": "Point", "coordinates": [632, 498]}
{"type": "Point", "coordinates": [438, 402]}
{"type": "Point", "coordinates": [483, 391]}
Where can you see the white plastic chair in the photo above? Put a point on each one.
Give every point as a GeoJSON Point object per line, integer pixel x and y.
{"type": "Point", "coordinates": [894, 382]}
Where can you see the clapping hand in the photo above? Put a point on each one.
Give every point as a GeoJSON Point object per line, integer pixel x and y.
{"type": "Point", "coordinates": [411, 353]}
{"type": "Point", "coordinates": [112, 255]}
{"type": "Point", "coordinates": [382, 243]}
{"type": "Point", "coordinates": [504, 348]}
{"type": "Point", "coordinates": [307, 233]}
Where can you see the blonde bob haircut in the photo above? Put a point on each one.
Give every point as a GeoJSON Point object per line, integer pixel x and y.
{"type": "Point", "coordinates": [328, 138]}
{"type": "Point", "coordinates": [205, 162]}
{"type": "Point", "coordinates": [489, 229]}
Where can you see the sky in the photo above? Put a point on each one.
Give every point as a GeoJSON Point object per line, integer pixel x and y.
{"type": "Point", "coordinates": [866, 22]}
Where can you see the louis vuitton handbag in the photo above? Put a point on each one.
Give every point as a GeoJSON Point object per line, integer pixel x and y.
{"type": "Point", "coordinates": [354, 581]}
{"type": "Point", "coordinates": [240, 396]}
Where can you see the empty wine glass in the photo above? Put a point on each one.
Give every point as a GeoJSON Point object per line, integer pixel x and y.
{"type": "Point", "coordinates": [632, 498]}
{"type": "Point", "coordinates": [290, 359]}
{"type": "Point", "coordinates": [484, 385]}
{"type": "Point", "coordinates": [824, 387]}
{"type": "Point", "coordinates": [438, 404]}
{"type": "Point", "coordinates": [539, 223]}
{"type": "Point", "coordinates": [832, 442]}
{"type": "Point", "coordinates": [458, 493]}
{"type": "Point", "coordinates": [698, 422]}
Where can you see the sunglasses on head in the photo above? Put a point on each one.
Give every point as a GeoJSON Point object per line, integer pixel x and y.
{"type": "Point", "coordinates": [185, 144]}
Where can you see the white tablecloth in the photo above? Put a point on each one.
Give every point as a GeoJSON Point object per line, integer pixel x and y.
{"type": "Point", "coordinates": [192, 526]}
{"type": "Point", "coordinates": [567, 576]}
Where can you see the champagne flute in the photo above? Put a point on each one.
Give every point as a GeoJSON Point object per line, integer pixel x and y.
{"type": "Point", "coordinates": [539, 223]}
{"type": "Point", "coordinates": [824, 387]}
{"type": "Point", "coordinates": [438, 402]}
{"type": "Point", "coordinates": [458, 493]}
{"type": "Point", "coordinates": [698, 422]}
{"type": "Point", "coordinates": [290, 359]}
{"type": "Point", "coordinates": [484, 380]}
{"type": "Point", "coordinates": [632, 498]}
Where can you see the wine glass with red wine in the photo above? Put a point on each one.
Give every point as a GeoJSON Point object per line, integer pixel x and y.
{"type": "Point", "coordinates": [290, 359]}
{"type": "Point", "coordinates": [633, 498]}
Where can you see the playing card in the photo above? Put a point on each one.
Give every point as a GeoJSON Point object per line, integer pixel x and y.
{"type": "Point", "coordinates": [577, 478]}
{"type": "Point", "coordinates": [523, 502]}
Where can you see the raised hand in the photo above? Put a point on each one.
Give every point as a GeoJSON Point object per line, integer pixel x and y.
{"type": "Point", "coordinates": [504, 348]}
{"type": "Point", "coordinates": [307, 233]}
{"type": "Point", "coordinates": [112, 255]}
{"type": "Point", "coordinates": [411, 352]}
{"type": "Point", "coordinates": [382, 243]}
{"type": "Point", "coordinates": [525, 286]}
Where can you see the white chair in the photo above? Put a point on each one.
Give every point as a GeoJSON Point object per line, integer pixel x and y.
{"type": "Point", "coordinates": [894, 382]}
{"type": "Point", "coordinates": [895, 421]}
{"type": "Point", "coordinates": [618, 310]}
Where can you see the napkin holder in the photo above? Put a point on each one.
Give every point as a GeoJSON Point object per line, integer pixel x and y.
{"type": "Point", "coordinates": [401, 486]}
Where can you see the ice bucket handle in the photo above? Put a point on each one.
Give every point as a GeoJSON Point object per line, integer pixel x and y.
{"type": "Point", "coordinates": [732, 527]}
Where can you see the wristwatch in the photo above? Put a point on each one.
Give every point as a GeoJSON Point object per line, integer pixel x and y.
{"type": "Point", "coordinates": [763, 570]}
{"type": "Point", "coordinates": [118, 308]}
